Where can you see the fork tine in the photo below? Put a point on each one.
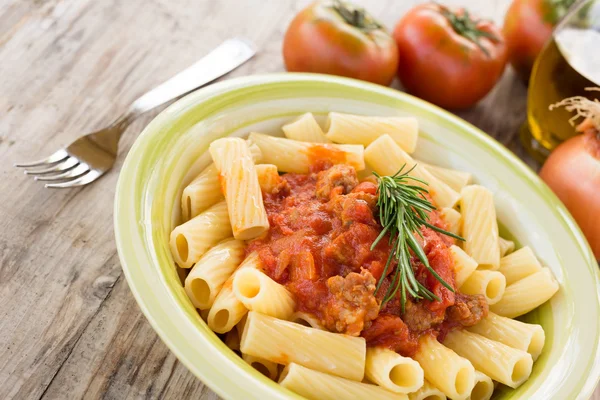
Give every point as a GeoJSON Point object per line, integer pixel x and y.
{"type": "Point", "coordinates": [74, 173]}
{"type": "Point", "coordinates": [67, 164]}
{"type": "Point", "coordinates": [82, 180]}
{"type": "Point", "coordinates": [54, 158]}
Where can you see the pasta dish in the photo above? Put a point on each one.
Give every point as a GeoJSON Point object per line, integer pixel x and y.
{"type": "Point", "coordinates": [341, 267]}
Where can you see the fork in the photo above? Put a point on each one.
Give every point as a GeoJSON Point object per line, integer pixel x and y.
{"type": "Point", "coordinates": [92, 155]}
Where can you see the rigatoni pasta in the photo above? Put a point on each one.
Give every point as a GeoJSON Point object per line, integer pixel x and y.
{"type": "Point", "coordinates": [259, 293]}
{"type": "Point", "coordinates": [232, 340]}
{"type": "Point", "coordinates": [265, 367]}
{"type": "Point", "coordinates": [427, 392]}
{"type": "Point", "coordinates": [359, 129]}
{"type": "Point", "coordinates": [227, 310]}
{"type": "Point", "coordinates": [453, 220]}
{"type": "Point", "coordinates": [490, 284]}
{"type": "Point", "coordinates": [392, 371]}
{"type": "Point", "coordinates": [268, 177]}
{"type": "Point", "coordinates": [516, 334]}
{"type": "Point", "coordinates": [207, 277]}
{"type": "Point", "coordinates": [239, 183]}
{"type": "Point", "coordinates": [294, 156]}
{"type": "Point", "coordinates": [306, 319]}
{"type": "Point", "coordinates": [269, 338]}
{"type": "Point", "coordinates": [385, 157]}
{"type": "Point", "coordinates": [305, 129]}
{"type": "Point", "coordinates": [315, 385]}
{"type": "Point", "coordinates": [204, 315]}
{"type": "Point", "coordinates": [454, 178]}
{"type": "Point", "coordinates": [526, 294]}
{"type": "Point", "coordinates": [192, 239]}
{"type": "Point", "coordinates": [480, 228]}
{"type": "Point", "coordinates": [205, 190]}
{"type": "Point", "coordinates": [201, 193]}
{"type": "Point", "coordinates": [484, 387]}
{"type": "Point", "coordinates": [500, 362]}
{"type": "Point", "coordinates": [506, 246]}
{"type": "Point", "coordinates": [519, 265]}
{"type": "Point", "coordinates": [449, 372]}
{"type": "Point", "coordinates": [464, 265]}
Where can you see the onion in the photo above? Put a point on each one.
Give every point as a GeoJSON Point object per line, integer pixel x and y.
{"type": "Point", "coordinates": [573, 172]}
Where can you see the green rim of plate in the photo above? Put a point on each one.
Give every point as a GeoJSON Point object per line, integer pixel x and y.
{"type": "Point", "coordinates": [142, 239]}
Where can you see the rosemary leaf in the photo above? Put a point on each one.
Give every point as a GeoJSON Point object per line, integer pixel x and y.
{"type": "Point", "coordinates": [403, 210]}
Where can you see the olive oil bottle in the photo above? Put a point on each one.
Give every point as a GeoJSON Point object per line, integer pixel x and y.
{"type": "Point", "coordinates": [568, 64]}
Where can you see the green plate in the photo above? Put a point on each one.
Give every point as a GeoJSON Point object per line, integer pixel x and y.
{"type": "Point", "coordinates": [172, 150]}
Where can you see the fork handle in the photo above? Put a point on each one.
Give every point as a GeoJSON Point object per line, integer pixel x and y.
{"type": "Point", "coordinates": [229, 55]}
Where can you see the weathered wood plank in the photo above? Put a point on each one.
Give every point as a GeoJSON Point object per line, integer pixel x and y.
{"type": "Point", "coordinates": [69, 327]}
{"type": "Point", "coordinates": [147, 369]}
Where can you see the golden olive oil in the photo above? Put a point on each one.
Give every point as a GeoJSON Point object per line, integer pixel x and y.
{"type": "Point", "coordinates": [569, 63]}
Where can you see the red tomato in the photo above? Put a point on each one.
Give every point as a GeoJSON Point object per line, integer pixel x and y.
{"type": "Point", "coordinates": [448, 57]}
{"type": "Point", "coordinates": [339, 39]}
{"type": "Point", "coordinates": [527, 27]}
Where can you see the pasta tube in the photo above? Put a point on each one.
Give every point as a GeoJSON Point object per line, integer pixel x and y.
{"type": "Point", "coordinates": [463, 265]}
{"type": "Point", "coordinates": [392, 371]}
{"type": "Point", "coordinates": [386, 158]}
{"type": "Point", "coordinates": [452, 218]}
{"type": "Point", "coordinates": [526, 294]}
{"type": "Point", "coordinates": [454, 178]}
{"type": "Point", "coordinates": [239, 327]}
{"type": "Point", "coordinates": [192, 239]}
{"type": "Point", "coordinates": [232, 340]}
{"type": "Point", "coordinates": [333, 353]}
{"type": "Point", "coordinates": [265, 367]}
{"type": "Point", "coordinates": [446, 370]}
{"type": "Point", "coordinates": [315, 385]}
{"type": "Point", "coordinates": [239, 183]}
{"type": "Point", "coordinates": [298, 157]}
{"type": "Point", "coordinates": [204, 315]}
{"type": "Point", "coordinates": [227, 310]}
{"type": "Point", "coordinates": [268, 177]}
{"type": "Point", "coordinates": [506, 246]}
{"type": "Point", "coordinates": [480, 228]}
{"type": "Point", "coordinates": [259, 293]}
{"type": "Point", "coordinates": [484, 387]}
{"type": "Point", "coordinates": [491, 284]}
{"type": "Point", "coordinates": [427, 392]}
{"type": "Point", "coordinates": [207, 277]}
{"type": "Point", "coordinates": [306, 319]}
{"type": "Point", "coordinates": [360, 129]}
{"type": "Point", "coordinates": [500, 362]}
{"type": "Point", "coordinates": [305, 129]}
{"type": "Point", "coordinates": [519, 265]}
{"type": "Point", "coordinates": [201, 193]}
{"type": "Point", "coordinates": [513, 333]}
{"type": "Point", "coordinates": [205, 190]}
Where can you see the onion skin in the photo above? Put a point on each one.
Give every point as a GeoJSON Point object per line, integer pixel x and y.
{"type": "Point", "coordinates": [573, 172]}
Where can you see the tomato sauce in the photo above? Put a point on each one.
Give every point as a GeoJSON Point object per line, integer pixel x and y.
{"type": "Point", "coordinates": [322, 226]}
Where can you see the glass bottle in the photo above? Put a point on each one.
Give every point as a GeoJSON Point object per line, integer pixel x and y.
{"type": "Point", "coordinates": [569, 63]}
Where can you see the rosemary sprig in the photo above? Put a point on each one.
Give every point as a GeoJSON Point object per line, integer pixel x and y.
{"type": "Point", "coordinates": [403, 209]}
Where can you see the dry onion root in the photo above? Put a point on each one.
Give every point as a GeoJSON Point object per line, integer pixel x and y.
{"type": "Point", "coordinates": [573, 169]}
{"type": "Point", "coordinates": [584, 108]}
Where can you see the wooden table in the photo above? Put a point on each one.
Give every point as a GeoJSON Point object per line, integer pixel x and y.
{"type": "Point", "coordinates": [69, 326]}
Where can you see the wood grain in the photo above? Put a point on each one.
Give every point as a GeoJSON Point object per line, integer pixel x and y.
{"type": "Point", "coordinates": [69, 327]}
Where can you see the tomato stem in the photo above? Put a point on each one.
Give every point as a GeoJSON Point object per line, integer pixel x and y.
{"type": "Point", "coordinates": [356, 16]}
{"type": "Point", "coordinates": [466, 26]}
